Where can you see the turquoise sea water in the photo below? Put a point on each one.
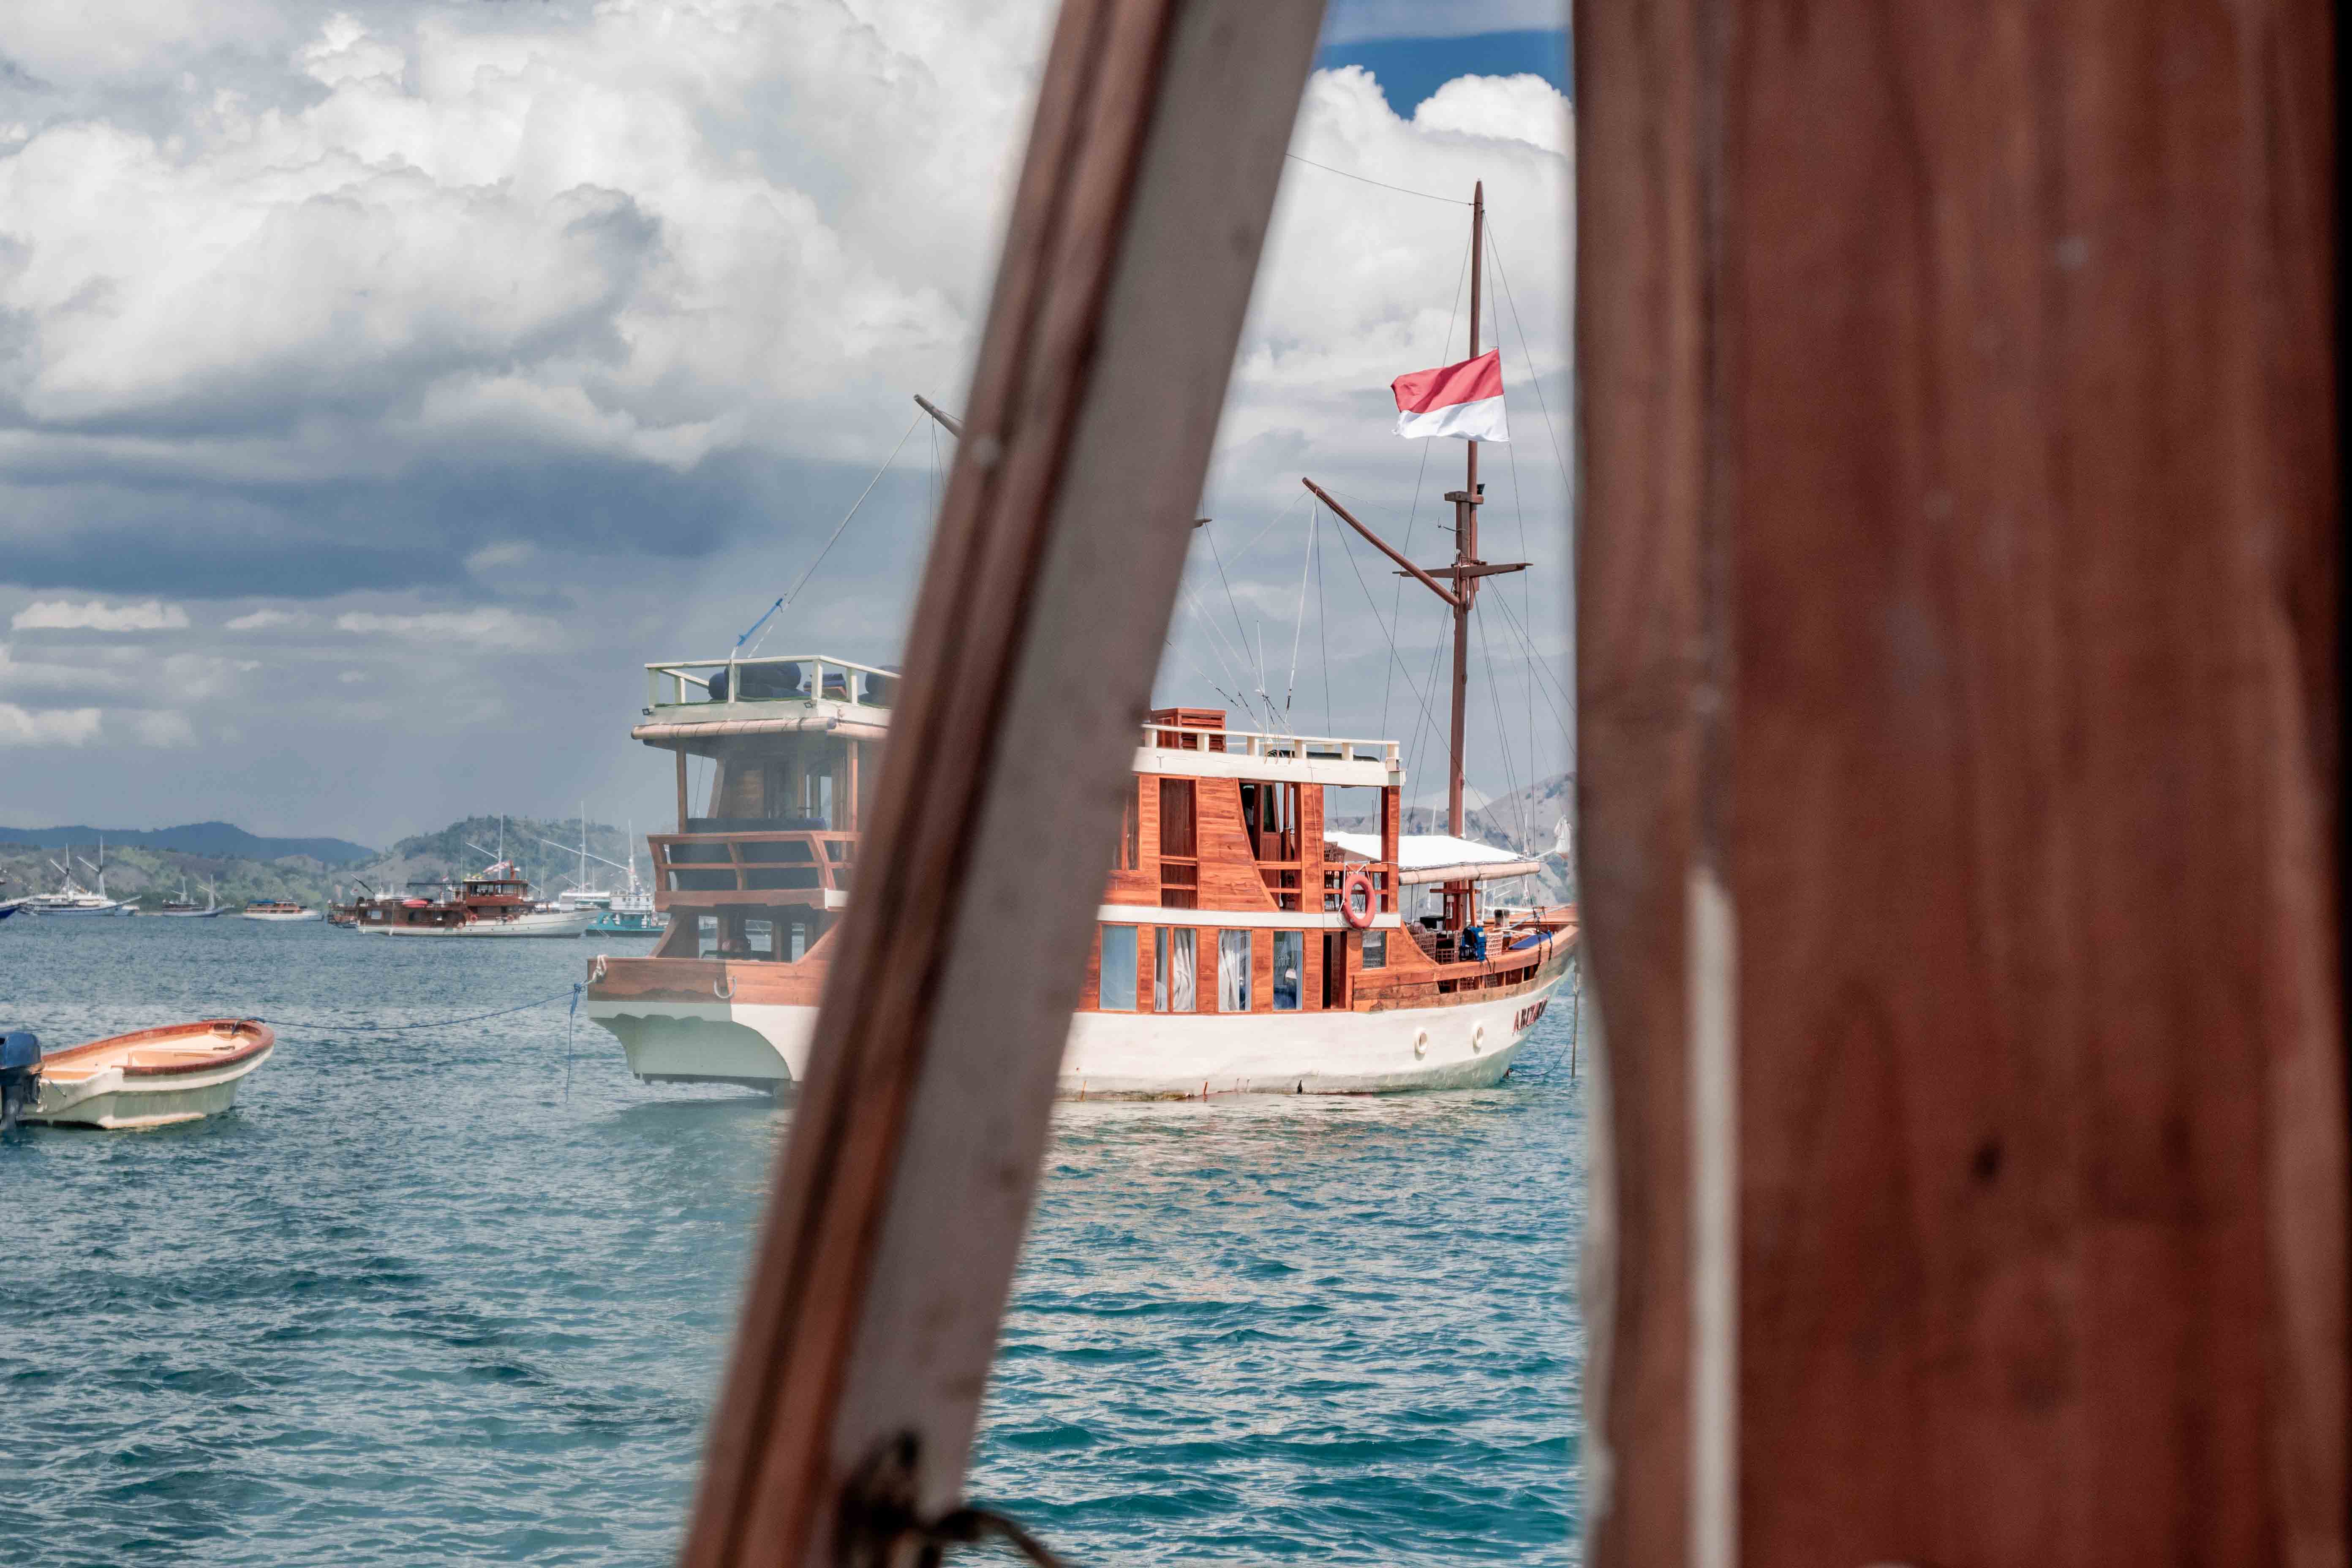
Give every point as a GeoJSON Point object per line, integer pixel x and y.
{"type": "Point", "coordinates": [411, 1303]}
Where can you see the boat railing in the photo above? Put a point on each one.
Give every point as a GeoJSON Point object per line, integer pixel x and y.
{"type": "Point", "coordinates": [770, 677]}
{"type": "Point", "coordinates": [1265, 745]}
{"type": "Point", "coordinates": [706, 871]}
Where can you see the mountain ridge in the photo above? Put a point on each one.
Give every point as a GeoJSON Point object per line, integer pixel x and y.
{"type": "Point", "coordinates": [212, 839]}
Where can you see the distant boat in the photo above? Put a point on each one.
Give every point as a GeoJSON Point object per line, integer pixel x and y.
{"type": "Point", "coordinates": [278, 909]}
{"type": "Point", "coordinates": [148, 1078]}
{"type": "Point", "coordinates": [184, 908]}
{"type": "Point", "coordinates": [496, 903]}
{"type": "Point", "coordinates": [71, 898]}
{"type": "Point", "coordinates": [627, 913]}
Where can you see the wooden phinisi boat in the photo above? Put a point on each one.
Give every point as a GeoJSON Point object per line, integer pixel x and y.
{"type": "Point", "coordinates": [151, 1078]}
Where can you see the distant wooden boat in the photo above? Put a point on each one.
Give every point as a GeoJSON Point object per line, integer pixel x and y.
{"type": "Point", "coordinates": [152, 1076]}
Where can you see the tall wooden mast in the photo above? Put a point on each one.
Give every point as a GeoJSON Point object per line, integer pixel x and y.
{"type": "Point", "coordinates": [1463, 574]}
{"type": "Point", "coordinates": [1466, 544]}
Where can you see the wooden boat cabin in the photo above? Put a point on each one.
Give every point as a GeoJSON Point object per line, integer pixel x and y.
{"type": "Point", "coordinates": [1229, 899]}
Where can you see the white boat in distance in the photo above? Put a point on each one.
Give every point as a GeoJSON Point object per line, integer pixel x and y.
{"type": "Point", "coordinates": [151, 1078]}
{"type": "Point", "coordinates": [279, 910]}
{"type": "Point", "coordinates": [71, 898]}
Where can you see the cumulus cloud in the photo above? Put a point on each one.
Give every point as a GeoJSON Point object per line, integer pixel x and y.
{"type": "Point", "coordinates": [57, 615]}
{"type": "Point", "coordinates": [489, 627]}
{"type": "Point", "coordinates": [433, 337]}
{"type": "Point", "coordinates": [268, 620]}
{"type": "Point", "coordinates": [47, 727]}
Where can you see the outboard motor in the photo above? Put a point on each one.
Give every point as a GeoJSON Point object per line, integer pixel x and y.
{"type": "Point", "coordinates": [20, 1074]}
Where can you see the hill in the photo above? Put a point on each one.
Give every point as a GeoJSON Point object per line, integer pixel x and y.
{"type": "Point", "coordinates": [218, 840]}
{"type": "Point", "coordinates": [150, 873]}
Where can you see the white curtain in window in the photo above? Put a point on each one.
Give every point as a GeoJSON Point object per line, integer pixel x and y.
{"type": "Point", "coordinates": [1180, 994]}
{"type": "Point", "coordinates": [1232, 971]}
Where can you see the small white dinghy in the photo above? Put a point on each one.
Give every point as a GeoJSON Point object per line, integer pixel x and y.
{"type": "Point", "coordinates": [151, 1076]}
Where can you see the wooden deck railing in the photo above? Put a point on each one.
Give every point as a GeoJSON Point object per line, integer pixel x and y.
{"type": "Point", "coordinates": [708, 869]}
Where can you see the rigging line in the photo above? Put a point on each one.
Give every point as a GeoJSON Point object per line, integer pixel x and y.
{"type": "Point", "coordinates": [1525, 354]}
{"type": "Point", "coordinates": [1216, 645]}
{"type": "Point", "coordinates": [1436, 651]}
{"type": "Point", "coordinates": [1372, 605]}
{"type": "Point", "coordinates": [1536, 661]}
{"type": "Point", "coordinates": [1279, 519]}
{"type": "Point", "coordinates": [1502, 736]}
{"type": "Point", "coordinates": [1211, 530]}
{"type": "Point", "coordinates": [1367, 179]}
{"type": "Point", "coordinates": [1298, 627]}
{"type": "Point", "coordinates": [802, 582]}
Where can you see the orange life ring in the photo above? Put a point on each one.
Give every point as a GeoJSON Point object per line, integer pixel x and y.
{"type": "Point", "coordinates": [1348, 886]}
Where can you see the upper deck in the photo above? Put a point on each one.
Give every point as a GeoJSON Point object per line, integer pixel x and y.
{"type": "Point", "coordinates": [696, 704]}
{"type": "Point", "coordinates": [691, 704]}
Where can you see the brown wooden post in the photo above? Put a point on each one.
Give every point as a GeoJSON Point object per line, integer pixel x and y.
{"type": "Point", "coordinates": [1959, 764]}
{"type": "Point", "coordinates": [888, 1248]}
{"type": "Point", "coordinates": [682, 813]}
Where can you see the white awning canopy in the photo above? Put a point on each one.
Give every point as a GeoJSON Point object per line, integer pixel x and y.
{"type": "Point", "coordinates": [1437, 857]}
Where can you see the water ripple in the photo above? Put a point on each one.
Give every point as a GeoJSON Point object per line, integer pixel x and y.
{"type": "Point", "coordinates": [409, 1305]}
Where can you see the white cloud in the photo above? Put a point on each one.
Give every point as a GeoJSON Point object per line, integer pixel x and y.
{"type": "Point", "coordinates": [1505, 108]}
{"type": "Point", "coordinates": [162, 730]}
{"type": "Point", "coordinates": [489, 627]}
{"type": "Point", "coordinates": [58, 615]}
{"type": "Point", "coordinates": [652, 231]}
{"type": "Point", "coordinates": [268, 620]}
{"type": "Point", "coordinates": [47, 727]}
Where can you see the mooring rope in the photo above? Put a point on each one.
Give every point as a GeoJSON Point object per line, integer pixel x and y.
{"type": "Point", "coordinates": [573, 995]}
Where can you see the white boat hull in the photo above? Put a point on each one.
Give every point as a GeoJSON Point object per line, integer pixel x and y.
{"type": "Point", "coordinates": [556, 923]}
{"type": "Point", "coordinates": [112, 1097]}
{"type": "Point", "coordinates": [283, 918]}
{"type": "Point", "coordinates": [1131, 1055]}
{"type": "Point", "coordinates": [69, 911]}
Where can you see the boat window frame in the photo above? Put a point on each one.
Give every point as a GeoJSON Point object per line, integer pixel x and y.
{"type": "Point", "coordinates": [1103, 967]}
{"type": "Point", "coordinates": [1298, 1002]}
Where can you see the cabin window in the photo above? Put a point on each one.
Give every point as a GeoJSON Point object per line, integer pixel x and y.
{"type": "Point", "coordinates": [1233, 972]}
{"type": "Point", "coordinates": [1128, 856]}
{"type": "Point", "coordinates": [1115, 991]}
{"type": "Point", "coordinates": [1376, 950]}
{"type": "Point", "coordinates": [1173, 951]}
{"type": "Point", "coordinates": [1289, 969]}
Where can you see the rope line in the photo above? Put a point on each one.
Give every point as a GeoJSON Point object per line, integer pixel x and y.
{"type": "Point", "coordinates": [1402, 190]}
{"type": "Point", "coordinates": [572, 993]}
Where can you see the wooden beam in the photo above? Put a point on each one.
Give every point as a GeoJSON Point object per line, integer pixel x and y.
{"type": "Point", "coordinates": [682, 813]}
{"type": "Point", "coordinates": [1959, 772]}
{"type": "Point", "coordinates": [901, 1198]}
{"type": "Point", "coordinates": [1471, 569]}
{"type": "Point", "coordinates": [1344, 515]}
{"type": "Point", "coordinates": [954, 425]}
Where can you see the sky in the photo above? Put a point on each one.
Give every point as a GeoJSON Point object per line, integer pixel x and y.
{"type": "Point", "coordinates": [383, 384]}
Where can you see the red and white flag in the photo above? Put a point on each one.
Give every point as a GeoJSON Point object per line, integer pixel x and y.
{"type": "Point", "coordinates": [1464, 400]}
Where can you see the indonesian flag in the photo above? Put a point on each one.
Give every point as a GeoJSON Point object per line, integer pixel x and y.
{"type": "Point", "coordinates": [1464, 400]}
